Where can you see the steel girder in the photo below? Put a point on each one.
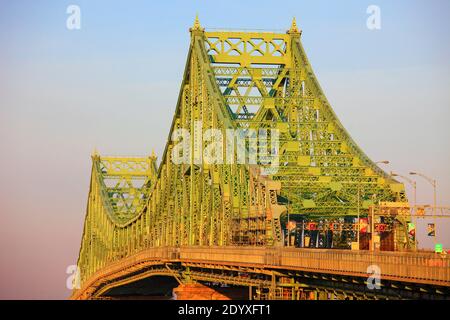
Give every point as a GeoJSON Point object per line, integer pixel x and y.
{"type": "Point", "coordinates": [233, 80]}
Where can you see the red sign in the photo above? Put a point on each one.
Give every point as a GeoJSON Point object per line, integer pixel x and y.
{"type": "Point", "coordinates": [363, 225]}
{"type": "Point", "coordinates": [380, 227]}
{"type": "Point", "coordinates": [311, 226]}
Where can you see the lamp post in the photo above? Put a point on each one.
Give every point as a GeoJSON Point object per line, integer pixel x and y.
{"type": "Point", "coordinates": [411, 182]}
{"type": "Point", "coordinates": [414, 185]}
{"type": "Point", "coordinates": [371, 211]}
{"type": "Point", "coordinates": [372, 223]}
{"type": "Point", "coordinates": [359, 227]}
{"type": "Point", "coordinates": [433, 183]}
{"type": "Point", "coordinates": [288, 224]}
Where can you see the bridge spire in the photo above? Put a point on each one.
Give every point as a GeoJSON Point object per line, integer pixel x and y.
{"type": "Point", "coordinates": [95, 153]}
{"type": "Point", "coordinates": [294, 30]}
{"type": "Point", "coordinates": [196, 26]}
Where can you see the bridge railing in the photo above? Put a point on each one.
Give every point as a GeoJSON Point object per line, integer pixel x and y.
{"type": "Point", "coordinates": [252, 255]}
{"type": "Point", "coordinates": [414, 267]}
{"type": "Point", "coordinates": [420, 267]}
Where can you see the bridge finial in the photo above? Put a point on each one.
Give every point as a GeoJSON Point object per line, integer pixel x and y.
{"type": "Point", "coordinates": [294, 30]}
{"type": "Point", "coordinates": [95, 153]}
{"type": "Point", "coordinates": [153, 154]}
{"type": "Point", "coordinates": [196, 26]}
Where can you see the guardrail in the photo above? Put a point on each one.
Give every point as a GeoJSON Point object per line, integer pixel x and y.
{"type": "Point", "coordinates": [415, 267]}
{"type": "Point", "coordinates": [421, 267]}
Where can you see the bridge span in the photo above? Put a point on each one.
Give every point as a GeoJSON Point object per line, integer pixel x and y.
{"type": "Point", "coordinates": [282, 272]}
{"type": "Point", "coordinates": [255, 164]}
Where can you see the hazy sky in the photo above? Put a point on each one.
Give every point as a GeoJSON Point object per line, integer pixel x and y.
{"type": "Point", "coordinates": [113, 85]}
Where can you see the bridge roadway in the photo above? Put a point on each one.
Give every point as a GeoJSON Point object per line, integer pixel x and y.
{"type": "Point", "coordinates": [403, 274]}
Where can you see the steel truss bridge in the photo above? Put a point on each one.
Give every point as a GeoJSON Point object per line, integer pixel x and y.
{"type": "Point", "coordinates": [204, 228]}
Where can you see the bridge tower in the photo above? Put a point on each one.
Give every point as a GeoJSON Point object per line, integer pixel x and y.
{"type": "Point", "coordinates": [253, 141]}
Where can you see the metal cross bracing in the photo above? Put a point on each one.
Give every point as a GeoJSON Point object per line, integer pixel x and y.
{"type": "Point", "coordinates": [237, 80]}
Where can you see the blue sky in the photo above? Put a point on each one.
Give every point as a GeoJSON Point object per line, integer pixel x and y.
{"type": "Point", "coordinates": [113, 85]}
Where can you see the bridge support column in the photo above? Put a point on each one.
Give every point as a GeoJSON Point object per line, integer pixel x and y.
{"type": "Point", "coordinates": [197, 291]}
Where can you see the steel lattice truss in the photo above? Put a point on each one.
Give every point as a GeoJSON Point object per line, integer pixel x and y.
{"type": "Point", "coordinates": [234, 80]}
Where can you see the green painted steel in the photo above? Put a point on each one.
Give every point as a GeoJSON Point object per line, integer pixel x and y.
{"type": "Point", "coordinates": [247, 81]}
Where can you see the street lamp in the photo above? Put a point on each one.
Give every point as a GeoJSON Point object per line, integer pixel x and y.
{"type": "Point", "coordinates": [411, 182]}
{"type": "Point", "coordinates": [359, 196]}
{"type": "Point", "coordinates": [372, 223]}
{"type": "Point", "coordinates": [433, 183]}
{"type": "Point", "coordinates": [358, 225]}
{"type": "Point", "coordinates": [414, 185]}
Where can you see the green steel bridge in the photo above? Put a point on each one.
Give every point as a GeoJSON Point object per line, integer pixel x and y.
{"type": "Point", "coordinates": [276, 219]}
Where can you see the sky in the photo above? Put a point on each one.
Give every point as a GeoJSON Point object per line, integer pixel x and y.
{"type": "Point", "coordinates": [113, 85]}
